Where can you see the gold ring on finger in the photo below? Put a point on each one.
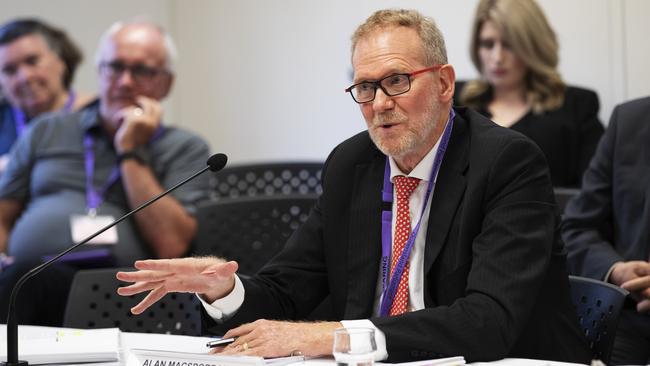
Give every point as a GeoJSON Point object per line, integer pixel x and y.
{"type": "Point", "coordinates": [245, 346]}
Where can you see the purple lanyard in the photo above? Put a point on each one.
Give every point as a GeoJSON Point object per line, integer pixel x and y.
{"type": "Point", "coordinates": [20, 120]}
{"type": "Point", "coordinates": [390, 284]}
{"type": "Point", "coordinates": [94, 196]}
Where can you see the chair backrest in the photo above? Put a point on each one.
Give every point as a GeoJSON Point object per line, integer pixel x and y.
{"type": "Point", "coordinates": [563, 196]}
{"type": "Point", "coordinates": [598, 305]}
{"type": "Point", "coordinates": [256, 180]}
{"type": "Point", "coordinates": [249, 230]}
{"type": "Point", "coordinates": [94, 303]}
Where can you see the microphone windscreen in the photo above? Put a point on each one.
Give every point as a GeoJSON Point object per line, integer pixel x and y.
{"type": "Point", "coordinates": [217, 161]}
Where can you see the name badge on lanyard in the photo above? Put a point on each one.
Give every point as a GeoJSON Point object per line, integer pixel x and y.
{"type": "Point", "coordinates": [82, 226]}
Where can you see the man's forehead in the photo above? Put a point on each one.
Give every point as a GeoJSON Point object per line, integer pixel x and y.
{"type": "Point", "coordinates": [385, 50]}
{"type": "Point", "coordinates": [137, 44]}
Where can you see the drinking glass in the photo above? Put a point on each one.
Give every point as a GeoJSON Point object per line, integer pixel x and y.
{"type": "Point", "coordinates": [354, 346]}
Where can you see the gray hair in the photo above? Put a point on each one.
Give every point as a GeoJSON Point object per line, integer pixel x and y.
{"type": "Point", "coordinates": [171, 53]}
{"type": "Point", "coordinates": [431, 37]}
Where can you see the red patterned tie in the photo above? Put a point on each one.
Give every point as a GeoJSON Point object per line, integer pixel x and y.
{"type": "Point", "coordinates": [404, 187]}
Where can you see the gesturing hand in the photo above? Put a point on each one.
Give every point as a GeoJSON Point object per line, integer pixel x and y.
{"type": "Point", "coordinates": [210, 276]}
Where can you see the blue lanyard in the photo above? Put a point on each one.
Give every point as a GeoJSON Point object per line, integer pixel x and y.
{"type": "Point", "coordinates": [20, 120]}
{"type": "Point", "coordinates": [94, 196]}
{"type": "Point", "coordinates": [390, 283]}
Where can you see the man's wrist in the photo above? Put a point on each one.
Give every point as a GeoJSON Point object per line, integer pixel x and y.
{"type": "Point", "coordinates": [140, 154]}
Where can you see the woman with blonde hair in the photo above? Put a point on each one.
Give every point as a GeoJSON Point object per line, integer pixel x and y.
{"type": "Point", "coordinates": [516, 52]}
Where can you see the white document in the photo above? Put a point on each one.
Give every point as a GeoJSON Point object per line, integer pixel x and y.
{"type": "Point", "coordinates": [48, 345]}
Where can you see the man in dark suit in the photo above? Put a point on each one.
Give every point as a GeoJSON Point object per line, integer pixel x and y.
{"type": "Point", "coordinates": [482, 267]}
{"type": "Point", "coordinates": [607, 226]}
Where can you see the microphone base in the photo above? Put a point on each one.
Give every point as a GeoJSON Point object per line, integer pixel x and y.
{"type": "Point", "coordinates": [19, 363]}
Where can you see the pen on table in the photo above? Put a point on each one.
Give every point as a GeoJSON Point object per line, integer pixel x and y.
{"type": "Point", "coordinates": [220, 342]}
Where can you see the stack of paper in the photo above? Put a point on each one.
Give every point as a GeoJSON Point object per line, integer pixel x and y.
{"type": "Point", "coordinates": [46, 345]}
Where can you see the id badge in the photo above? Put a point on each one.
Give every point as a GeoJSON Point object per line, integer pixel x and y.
{"type": "Point", "coordinates": [82, 226]}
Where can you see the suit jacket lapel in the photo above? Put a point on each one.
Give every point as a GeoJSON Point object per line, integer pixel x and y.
{"type": "Point", "coordinates": [448, 191]}
{"type": "Point", "coordinates": [364, 246]}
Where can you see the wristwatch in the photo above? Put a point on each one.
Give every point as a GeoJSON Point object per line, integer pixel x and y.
{"type": "Point", "coordinates": [140, 154]}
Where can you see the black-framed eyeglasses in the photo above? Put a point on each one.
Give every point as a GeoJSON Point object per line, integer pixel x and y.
{"type": "Point", "coordinates": [139, 72]}
{"type": "Point", "coordinates": [391, 85]}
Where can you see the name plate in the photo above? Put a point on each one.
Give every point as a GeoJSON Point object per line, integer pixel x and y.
{"type": "Point", "coordinates": [145, 357]}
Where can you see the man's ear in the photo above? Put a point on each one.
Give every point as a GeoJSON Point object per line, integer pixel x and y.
{"type": "Point", "coordinates": [447, 79]}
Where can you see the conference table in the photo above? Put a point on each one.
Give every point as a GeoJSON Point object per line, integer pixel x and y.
{"type": "Point", "coordinates": [124, 345]}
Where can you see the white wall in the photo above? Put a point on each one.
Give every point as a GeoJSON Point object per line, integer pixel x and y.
{"type": "Point", "coordinates": [264, 80]}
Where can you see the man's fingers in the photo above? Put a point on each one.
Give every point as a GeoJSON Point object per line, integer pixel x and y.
{"type": "Point", "coordinates": [240, 331]}
{"type": "Point", "coordinates": [637, 284]}
{"type": "Point", "coordinates": [143, 276]}
{"type": "Point", "coordinates": [178, 265]}
{"type": "Point", "coordinates": [137, 288]}
{"type": "Point", "coordinates": [149, 300]}
{"type": "Point", "coordinates": [643, 306]}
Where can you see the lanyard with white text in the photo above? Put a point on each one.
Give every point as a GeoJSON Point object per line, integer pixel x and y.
{"type": "Point", "coordinates": [390, 283]}
{"type": "Point", "coordinates": [20, 120]}
{"type": "Point", "coordinates": [94, 197]}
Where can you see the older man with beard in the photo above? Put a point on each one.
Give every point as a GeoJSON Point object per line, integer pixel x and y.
{"type": "Point", "coordinates": [436, 227]}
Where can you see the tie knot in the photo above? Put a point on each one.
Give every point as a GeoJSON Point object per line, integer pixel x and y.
{"type": "Point", "coordinates": [404, 186]}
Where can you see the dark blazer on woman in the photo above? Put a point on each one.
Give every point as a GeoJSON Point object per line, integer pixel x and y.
{"type": "Point", "coordinates": [495, 279]}
{"type": "Point", "coordinates": [568, 136]}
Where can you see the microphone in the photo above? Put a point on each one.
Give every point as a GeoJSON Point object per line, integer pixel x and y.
{"type": "Point", "coordinates": [215, 163]}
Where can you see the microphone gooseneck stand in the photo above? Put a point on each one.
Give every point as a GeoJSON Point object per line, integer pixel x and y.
{"type": "Point", "coordinates": [215, 163]}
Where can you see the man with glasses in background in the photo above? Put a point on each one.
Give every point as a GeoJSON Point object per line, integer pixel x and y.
{"type": "Point", "coordinates": [72, 174]}
{"type": "Point", "coordinates": [436, 227]}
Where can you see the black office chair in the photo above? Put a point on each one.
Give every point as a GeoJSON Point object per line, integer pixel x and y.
{"type": "Point", "coordinates": [94, 303]}
{"type": "Point", "coordinates": [598, 305]}
{"type": "Point", "coordinates": [249, 230]}
{"type": "Point", "coordinates": [563, 196]}
{"type": "Point", "coordinates": [268, 179]}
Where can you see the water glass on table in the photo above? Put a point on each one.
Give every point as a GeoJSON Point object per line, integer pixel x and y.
{"type": "Point", "coordinates": [354, 346]}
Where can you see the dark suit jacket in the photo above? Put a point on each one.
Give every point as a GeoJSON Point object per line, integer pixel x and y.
{"type": "Point", "coordinates": [609, 221]}
{"type": "Point", "coordinates": [495, 283]}
{"type": "Point", "coordinates": [568, 136]}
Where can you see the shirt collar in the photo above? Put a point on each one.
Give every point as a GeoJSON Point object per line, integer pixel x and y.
{"type": "Point", "coordinates": [90, 119]}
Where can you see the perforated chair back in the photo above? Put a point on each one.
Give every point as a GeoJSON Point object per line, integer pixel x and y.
{"type": "Point", "coordinates": [255, 180]}
{"type": "Point", "coordinates": [563, 196]}
{"type": "Point", "coordinates": [94, 303]}
{"type": "Point", "coordinates": [598, 306]}
{"type": "Point", "coordinates": [249, 230]}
